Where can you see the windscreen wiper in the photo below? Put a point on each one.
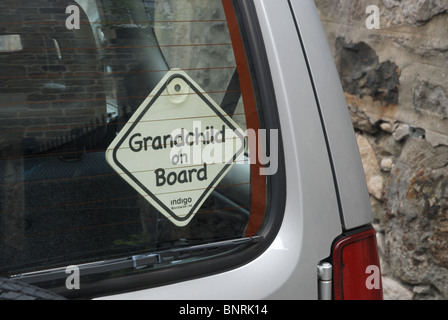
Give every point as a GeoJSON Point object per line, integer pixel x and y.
{"type": "Point", "coordinates": [137, 262]}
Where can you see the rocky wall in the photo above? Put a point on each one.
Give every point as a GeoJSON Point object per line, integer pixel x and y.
{"type": "Point", "coordinates": [396, 87]}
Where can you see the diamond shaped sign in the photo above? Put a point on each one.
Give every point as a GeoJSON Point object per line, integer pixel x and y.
{"type": "Point", "coordinates": [176, 148]}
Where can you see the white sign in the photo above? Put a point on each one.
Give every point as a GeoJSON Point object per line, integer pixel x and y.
{"type": "Point", "coordinates": [176, 147]}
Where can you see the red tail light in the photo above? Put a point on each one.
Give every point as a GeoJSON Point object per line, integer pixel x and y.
{"type": "Point", "coordinates": [356, 268]}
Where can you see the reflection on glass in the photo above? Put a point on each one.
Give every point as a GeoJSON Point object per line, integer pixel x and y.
{"type": "Point", "coordinates": [10, 43]}
{"type": "Point", "coordinates": [64, 96]}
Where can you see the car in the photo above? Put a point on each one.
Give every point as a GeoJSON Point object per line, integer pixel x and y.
{"type": "Point", "coordinates": [179, 150]}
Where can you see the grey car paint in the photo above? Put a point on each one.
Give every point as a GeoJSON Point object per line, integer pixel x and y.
{"type": "Point", "coordinates": [349, 174]}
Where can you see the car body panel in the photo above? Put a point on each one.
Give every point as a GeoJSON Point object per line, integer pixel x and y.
{"type": "Point", "coordinates": [349, 174]}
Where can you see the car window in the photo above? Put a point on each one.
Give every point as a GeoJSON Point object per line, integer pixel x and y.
{"type": "Point", "coordinates": [78, 78]}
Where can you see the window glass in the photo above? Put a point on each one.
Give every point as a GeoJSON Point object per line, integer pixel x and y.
{"type": "Point", "coordinates": [69, 84]}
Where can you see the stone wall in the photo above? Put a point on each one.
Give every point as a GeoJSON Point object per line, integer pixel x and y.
{"type": "Point", "coordinates": [396, 86]}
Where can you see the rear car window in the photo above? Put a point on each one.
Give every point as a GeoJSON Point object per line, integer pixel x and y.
{"type": "Point", "coordinates": [83, 120]}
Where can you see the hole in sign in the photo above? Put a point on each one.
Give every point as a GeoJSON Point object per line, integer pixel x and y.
{"type": "Point", "coordinates": [178, 90]}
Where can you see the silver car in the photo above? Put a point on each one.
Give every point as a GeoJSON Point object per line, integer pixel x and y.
{"type": "Point", "coordinates": [180, 150]}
